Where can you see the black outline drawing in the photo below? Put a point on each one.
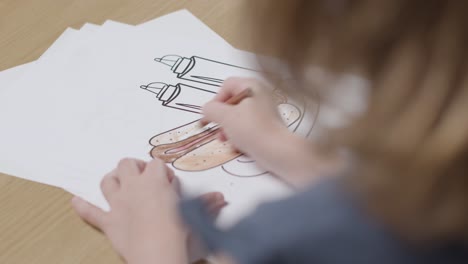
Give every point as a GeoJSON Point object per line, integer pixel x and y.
{"type": "Point", "coordinates": [173, 145]}
{"type": "Point", "coordinates": [203, 70]}
{"type": "Point", "coordinates": [209, 72]}
{"type": "Point", "coordinates": [173, 150]}
{"type": "Point", "coordinates": [179, 96]}
{"type": "Point", "coordinates": [243, 176]}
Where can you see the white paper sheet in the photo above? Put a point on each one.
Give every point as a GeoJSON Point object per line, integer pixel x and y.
{"type": "Point", "coordinates": [87, 111]}
{"type": "Point", "coordinates": [9, 76]}
{"type": "Point", "coordinates": [68, 38]}
{"type": "Point", "coordinates": [92, 99]}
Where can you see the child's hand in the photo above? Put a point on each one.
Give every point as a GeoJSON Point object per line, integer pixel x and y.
{"type": "Point", "coordinates": [143, 224]}
{"type": "Point", "coordinates": [244, 124]}
{"type": "Point", "coordinates": [254, 127]}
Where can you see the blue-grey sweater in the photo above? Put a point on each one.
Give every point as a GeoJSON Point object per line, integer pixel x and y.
{"type": "Point", "coordinates": [324, 225]}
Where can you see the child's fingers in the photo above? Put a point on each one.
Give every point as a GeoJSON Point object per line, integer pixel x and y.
{"type": "Point", "coordinates": [128, 168]}
{"type": "Point", "coordinates": [89, 213]}
{"type": "Point", "coordinates": [215, 112]}
{"type": "Point", "coordinates": [222, 136]}
{"type": "Point", "coordinates": [216, 208]}
{"type": "Point", "coordinates": [170, 174]}
{"type": "Point", "coordinates": [204, 121]}
{"type": "Point", "coordinates": [141, 165]}
{"type": "Point", "coordinates": [109, 186]}
{"type": "Point", "coordinates": [157, 169]}
{"type": "Point", "coordinates": [230, 88]}
{"type": "Point", "coordinates": [214, 202]}
{"type": "Point", "coordinates": [177, 186]}
{"type": "Point", "coordinates": [212, 197]}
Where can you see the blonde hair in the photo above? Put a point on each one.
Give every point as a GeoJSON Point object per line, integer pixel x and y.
{"type": "Point", "coordinates": [412, 143]}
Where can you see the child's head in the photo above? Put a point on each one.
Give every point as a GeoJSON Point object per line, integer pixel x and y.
{"type": "Point", "coordinates": [412, 143]}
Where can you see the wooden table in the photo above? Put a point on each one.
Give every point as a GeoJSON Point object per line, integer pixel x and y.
{"type": "Point", "coordinates": [37, 224]}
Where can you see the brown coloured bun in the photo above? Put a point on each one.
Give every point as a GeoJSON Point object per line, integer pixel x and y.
{"type": "Point", "coordinates": [208, 156]}
{"type": "Point", "coordinates": [203, 151]}
{"type": "Point", "coordinates": [174, 135]}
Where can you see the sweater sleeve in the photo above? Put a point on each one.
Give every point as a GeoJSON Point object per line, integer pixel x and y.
{"type": "Point", "coordinates": [322, 225]}
{"type": "Point", "coordinates": [279, 232]}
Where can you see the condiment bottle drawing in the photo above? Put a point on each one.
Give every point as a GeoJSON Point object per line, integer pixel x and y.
{"type": "Point", "coordinates": [180, 96]}
{"type": "Point", "coordinates": [198, 69]}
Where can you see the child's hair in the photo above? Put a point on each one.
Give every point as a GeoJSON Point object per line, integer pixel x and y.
{"type": "Point", "coordinates": [412, 143]}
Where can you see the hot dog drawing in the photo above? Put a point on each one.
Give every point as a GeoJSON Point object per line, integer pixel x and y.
{"type": "Point", "coordinates": [186, 147]}
{"type": "Point", "coordinates": [188, 150]}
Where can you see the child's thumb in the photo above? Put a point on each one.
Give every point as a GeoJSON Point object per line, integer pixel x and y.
{"type": "Point", "coordinates": [215, 112]}
{"type": "Point", "coordinates": [90, 213]}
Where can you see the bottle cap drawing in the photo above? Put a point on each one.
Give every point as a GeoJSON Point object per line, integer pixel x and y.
{"type": "Point", "coordinates": [158, 88]}
{"type": "Point", "coordinates": [180, 96]}
{"type": "Point", "coordinates": [203, 70]}
{"type": "Point", "coordinates": [178, 64]}
{"type": "Point", "coordinates": [164, 92]}
{"type": "Point", "coordinates": [191, 148]}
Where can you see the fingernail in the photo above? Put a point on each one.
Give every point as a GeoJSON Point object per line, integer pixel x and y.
{"type": "Point", "coordinates": [220, 204]}
{"type": "Point", "coordinates": [77, 201]}
{"type": "Point", "coordinates": [214, 196]}
{"type": "Point", "coordinates": [218, 196]}
{"type": "Point", "coordinates": [216, 209]}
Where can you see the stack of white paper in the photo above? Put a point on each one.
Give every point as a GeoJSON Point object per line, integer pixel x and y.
{"type": "Point", "coordinates": [106, 92]}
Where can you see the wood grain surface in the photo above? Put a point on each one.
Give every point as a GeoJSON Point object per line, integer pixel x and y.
{"type": "Point", "coordinates": [37, 224]}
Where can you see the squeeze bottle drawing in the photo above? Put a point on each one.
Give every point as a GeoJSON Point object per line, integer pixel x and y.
{"type": "Point", "coordinates": [180, 96]}
{"type": "Point", "coordinates": [198, 69]}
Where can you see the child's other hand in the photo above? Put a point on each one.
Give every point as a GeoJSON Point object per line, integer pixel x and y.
{"type": "Point", "coordinates": [143, 221]}
{"type": "Point", "coordinates": [244, 124]}
{"type": "Point", "coordinates": [143, 224]}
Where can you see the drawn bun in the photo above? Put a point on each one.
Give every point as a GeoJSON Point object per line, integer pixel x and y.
{"type": "Point", "coordinates": [197, 152]}
{"type": "Point", "coordinates": [210, 155]}
{"type": "Point", "coordinates": [175, 134]}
